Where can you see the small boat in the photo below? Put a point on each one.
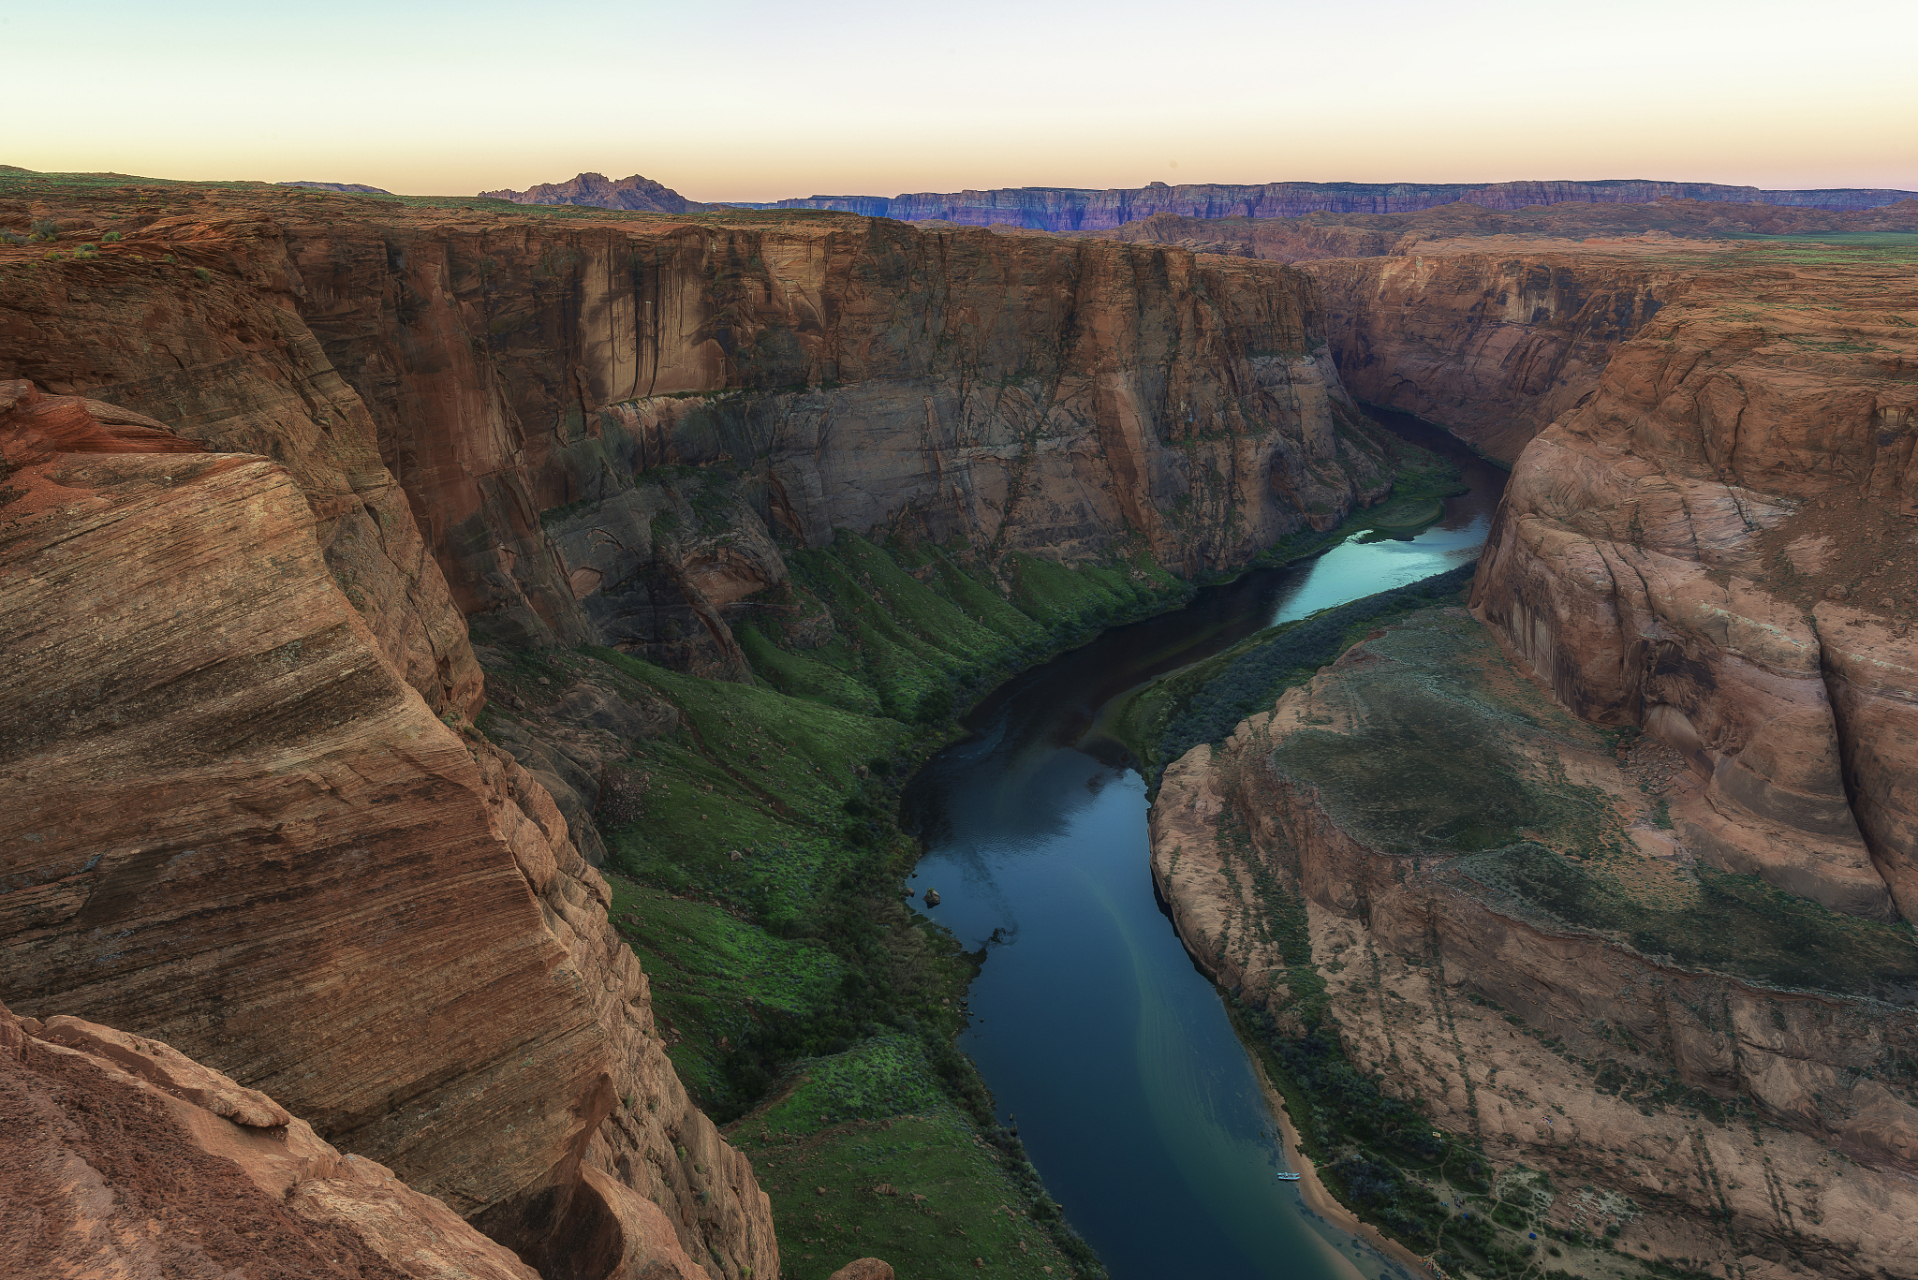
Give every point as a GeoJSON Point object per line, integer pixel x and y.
{"type": "Point", "coordinates": [1288, 1177]}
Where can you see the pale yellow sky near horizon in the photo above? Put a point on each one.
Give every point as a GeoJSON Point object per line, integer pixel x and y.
{"type": "Point", "coordinates": [761, 101]}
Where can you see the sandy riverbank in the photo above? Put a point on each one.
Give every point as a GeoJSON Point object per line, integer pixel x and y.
{"type": "Point", "coordinates": [1321, 1201]}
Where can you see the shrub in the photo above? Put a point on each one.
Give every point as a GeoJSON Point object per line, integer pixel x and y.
{"type": "Point", "coordinates": [111, 237]}
{"type": "Point", "coordinates": [44, 231]}
{"type": "Point", "coordinates": [202, 274]}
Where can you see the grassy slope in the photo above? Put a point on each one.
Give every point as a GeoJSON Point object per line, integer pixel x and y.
{"type": "Point", "coordinates": [793, 970]}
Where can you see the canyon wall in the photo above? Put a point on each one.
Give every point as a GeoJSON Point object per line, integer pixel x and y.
{"type": "Point", "coordinates": [1520, 992]}
{"type": "Point", "coordinates": [542, 390]}
{"type": "Point", "coordinates": [1493, 322]}
{"type": "Point", "coordinates": [1708, 548]}
{"type": "Point", "coordinates": [1493, 346]}
{"type": "Point", "coordinates": [232, 825]}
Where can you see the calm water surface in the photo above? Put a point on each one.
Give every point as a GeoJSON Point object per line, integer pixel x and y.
{"type": "Point", "coordinates": [1098, 1036]}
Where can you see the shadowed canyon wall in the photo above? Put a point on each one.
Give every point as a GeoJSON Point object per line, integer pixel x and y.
{"type": "Point", "coordinates": [825, 373]}
{"type": "Point", "coordinates": [233, 826]}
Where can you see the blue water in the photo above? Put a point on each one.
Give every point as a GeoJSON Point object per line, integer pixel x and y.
{"type": "Point", "coordinates": [1102, 1043]}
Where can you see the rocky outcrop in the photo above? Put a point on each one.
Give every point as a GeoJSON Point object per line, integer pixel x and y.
{"type": "Point", "coordinates": [1700, 549]}
{"type": "Point", "coordinates": [228, 823]}
{"type": "Point", "coordinates": [634, 194]}
{"type": "Point", "coordinates": [1071, 209]}
{"type": "Point", "coordinates": [121, 1156]}
{"type": "Point", "coordinates": [1518, 990]}
{"type": "Point", "coordinates": [223, 359]}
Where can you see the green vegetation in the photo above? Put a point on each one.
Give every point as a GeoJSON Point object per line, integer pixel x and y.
{"type": "Point", "coordinates": [755, 861]}
{"type": "Point", "coordinates": [922, 1191]}
{"type": "Point", "coordinates": [921, 630]}
{"type": "Point", "coordinates": [1732, 924]}
{"type": "Point", "coordinates": [1204, 702]}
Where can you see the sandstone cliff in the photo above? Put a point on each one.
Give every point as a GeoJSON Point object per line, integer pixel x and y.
{"type": "Point", "coordinates": [824, 373]}
{"type": "Point", "coordinates": [232, 825]}
{"type": "Point", "coordinates": [247, 818]}
{"type": "Point", "coordinates": [121, 1156]}
{"type": "Point", "coordinates": [538, 389]}
{"type": "Point", "coordinates": [1506, 933]}
{"type": "Point", "coordinates": [1706, 549]}
{"type": "Point", "coordinates": [1494, 323]}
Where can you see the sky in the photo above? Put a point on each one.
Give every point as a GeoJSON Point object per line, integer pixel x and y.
{"type": "Point", "coordinates": [758, 101]}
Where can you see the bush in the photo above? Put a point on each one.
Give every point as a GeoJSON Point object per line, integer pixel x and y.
{"type": "Point", "coordinates": [44, 231]}
{"type": "Point", "coordinates": [202, 274]}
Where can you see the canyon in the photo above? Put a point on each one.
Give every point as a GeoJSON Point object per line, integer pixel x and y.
{"type": "Point", "coordinates": [272, 457]}
{"type": "Point", "coordinates": [1691, 617]}
{"type": "Point", "coordinates": [367, 561]}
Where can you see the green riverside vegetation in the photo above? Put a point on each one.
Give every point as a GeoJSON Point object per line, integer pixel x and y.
{"type": "Point", "coordinates": [756, 863]}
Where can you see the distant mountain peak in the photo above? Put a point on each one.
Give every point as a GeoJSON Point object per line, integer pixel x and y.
{"type": "Point", "coordinates": [637, 194]}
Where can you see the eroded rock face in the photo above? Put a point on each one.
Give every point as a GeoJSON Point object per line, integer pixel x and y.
{"type": "Point", "coordinates": [1707, 549]}
{"type": "Point", "coordinates": [121, 1156]}
{"type": "Point", "coordinates": [1491, 345]}
{"type": "Point", "coordinates": [227, 362]}
{"type": "Point", "coordinates": [602, 428]}
{"type": "Point", "coordinates": [1414, 928]}
{"type": "Point", "coordinates": [541, 390]}
{"type": "Point", "coordinates": [230, 824]}
{"type": "Point", "coordinates": [1493, 322]}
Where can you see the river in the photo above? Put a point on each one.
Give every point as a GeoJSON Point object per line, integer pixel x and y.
{"type": "Point", "coordinates": [1105, 1047]}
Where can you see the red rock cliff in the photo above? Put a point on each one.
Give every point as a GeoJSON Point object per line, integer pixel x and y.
{"type": "Point", "coordinates": [227, 822]}
{"type": "Point", "coordinates": [1706, 549]}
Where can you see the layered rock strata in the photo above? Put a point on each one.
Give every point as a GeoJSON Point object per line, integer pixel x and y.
{"type": "Point", "coordinates": [824, 373]}
{"type": "Point", "coordinates": [1489, 928]}
{"type": "Point", "coordinates": [121, 1156]}
{"type": "Point", "coordinates": [229, 823]}
{"type": "Point", "coordinates": [1707, 549]}
{"type": "Point", "coordinates": [543, 391]}
{"type": "Point", "coordinates": [1494, 323]}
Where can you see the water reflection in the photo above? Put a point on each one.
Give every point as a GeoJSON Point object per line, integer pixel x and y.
{"type": "Point", "coordinates": [1093, 1028]}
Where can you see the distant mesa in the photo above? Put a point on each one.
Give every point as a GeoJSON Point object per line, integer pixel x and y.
{"type": "Point", "coordinates": [1074, 209]}
{"type": "Point", "coordinates": [635, 194]}
{"type": "Point", "coordinates": [1081, 209]}
{"type": "Point", "coordinates": [350, 188]}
